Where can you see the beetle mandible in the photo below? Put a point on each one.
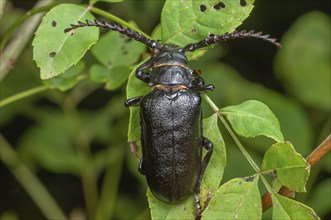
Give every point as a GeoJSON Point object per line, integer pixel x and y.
{"type": "Point", "coordinates": [170, 115]}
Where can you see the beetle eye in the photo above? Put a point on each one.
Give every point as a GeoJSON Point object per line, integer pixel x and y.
{"type": "Point", "coordinates": [154, 52]}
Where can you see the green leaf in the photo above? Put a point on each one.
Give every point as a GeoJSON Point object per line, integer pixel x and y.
{"type": "Point", "coordinates": [161, 210]}
{"type": "Point", "coordinates": [189, 21]}
{"type": "Point", "coordinates": [118, 75]}
{"type": "Point", "coordinates": [99, 74]}
{"type": "Point", "coordinates": [68, 79]}
{"type": "Point", "coordinates": [55, 51]}
{"type": "Point", "coordinates": [114, 50]}
{"type": "Point", "coordinates": [292, 169]}
{"type": "Point", "coordinates": [304, 64]}
{"type": "Point", "coordinates": [113, 78]}
{"type": "Point", "coordinates": [50, 144]}
{"type": "Point", "coordinates": [253, 118]}
{"type": "Point", "coordinates": [117, 54]}
{"type": "Point", "coordinates": [214, 172]}
{"type": "Point", "coordinates": [236, 199]}
{"type": "Point", "coordinates": [134, 88]}
{"type": "Point", "coordinates": [285, 208]}
{"type": "Point", "coordinates": [231, 88]}
{"type": "Point", "coordinates": [92, 2]}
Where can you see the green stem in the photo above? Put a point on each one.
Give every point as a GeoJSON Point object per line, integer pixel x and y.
{"type": "Point", "coordinates": [110, 185]}
{"type": "Point", "coordinates": [2, 6]}
{"type": "Point", "coordinates": [116, 19]}
{"type": "Point", "coordinates": [267, 185]}
{"type": "Point", "coordinates": [211, 103]}
{"type": "Point", "coordinates": [20, 20]}
{"type": "Point", "coordinates": [234, 137]}
{"type": "Point", "coordinates": [90, 191]}
{"type": "Point", "coordinates": [22, 95]}
{"type": "Point", "coordinates": [30, 182]}
{"type": "Point", "coordinates": [241, 147]}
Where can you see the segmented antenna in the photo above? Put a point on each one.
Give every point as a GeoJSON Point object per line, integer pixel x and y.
{"type": "Point", "coordinates": [214, 39]}
{"type": "Point", "coordinates": [119, 28]}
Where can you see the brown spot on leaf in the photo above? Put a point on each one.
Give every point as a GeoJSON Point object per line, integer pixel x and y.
{"type": "Point", "coordinates": [52, 54]}
{"type": "Point", "coordinates": [203, 8]}
{"type": "Point", "coordinates": [54, 23]}
{"type": "Point", "coordinates": [219, 5]}
{"type": "Point", "coordinates": [243, 3]}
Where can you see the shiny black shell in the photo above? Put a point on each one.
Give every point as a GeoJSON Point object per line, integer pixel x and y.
{"type": "Point", "coordinates": [171, 135]}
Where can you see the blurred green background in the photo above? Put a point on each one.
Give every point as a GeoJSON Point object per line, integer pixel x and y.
{"type": "Point", "coordinates": [75, 142]}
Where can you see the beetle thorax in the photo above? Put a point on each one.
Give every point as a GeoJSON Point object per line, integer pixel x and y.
{"type": "Point", "coordinates": [170, 67]}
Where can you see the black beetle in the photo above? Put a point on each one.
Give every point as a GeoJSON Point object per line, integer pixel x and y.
{"type": "Point", "coordinates": [170, 115]}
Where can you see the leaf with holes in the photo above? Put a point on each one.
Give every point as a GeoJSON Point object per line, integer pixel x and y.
{"type": "Point", "coordinates": [237, 199]}
{"type": "Point", "coordinates": [253, 118]}
{"type": "Point", "coordinates": [189, 21]}
{"type": "Point", "coordinates": [55, 51]}
{"type": "Point", "coordinates": [285, 208]}
{"type": "Point", "coordinates": [292, 169]}
{"type": "Point", "coordinates": [214, 172]}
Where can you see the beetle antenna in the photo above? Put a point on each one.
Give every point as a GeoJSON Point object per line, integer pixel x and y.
{"type": "Point", "coordinates": [214, 39]}
{"type": "Point", "coordinates": [119, 28]}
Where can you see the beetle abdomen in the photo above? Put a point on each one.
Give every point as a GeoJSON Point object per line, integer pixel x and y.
{"type": "Point", "coordinates": [171, 139]}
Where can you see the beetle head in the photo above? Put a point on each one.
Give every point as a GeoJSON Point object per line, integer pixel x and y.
{"type": "Point", "coordinates": [169, 54]}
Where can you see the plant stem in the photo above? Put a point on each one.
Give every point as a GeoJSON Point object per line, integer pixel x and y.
{"type": "Point", "coordinates": [22, 95]}
{"type": "Point", "coordinates": [320, 151]}
{"type": "Point", "coordinates": [90, 190]}
{"type": "Point", "coordinates": [110, 185]}
{"type": "Point", "coordinates": [30, 182]}
{"type": "Point", "coordinates": [19, 41]}
{"type": "Point", "coordinates": [211, 103]}
{"type": "Point", "coordinates": [116, 19]}
{"type": "Point", "coordinates": [234, 137]}
{"type": "Point", "coordinates": [2, 6]}
{"type": "Point", "coordinates": [312, 159]}
{"type": "Point", "coordinates": [241, 147]}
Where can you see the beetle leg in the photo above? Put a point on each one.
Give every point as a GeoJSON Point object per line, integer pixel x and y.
{"type": "Point", "coordinates": [143, 76]}
{"type": "Point", "coordinates": [197, 203]}
{"type": "Point", "coordinates": [140, 74]}
{"type": "Point", "coordinates": [208, 145]}
{"type": "Point", "coordinates": [133, 101]}
{"type": "Point", "coordinates": [209, 87]}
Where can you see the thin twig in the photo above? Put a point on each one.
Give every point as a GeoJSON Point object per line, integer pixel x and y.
{"type": "Point", "coordinates": [320, 151]}
{"type": "Point", "coordinates": [22, 95]}
{"type": "Point", "coordinates": [33, 186]}
{"type": "Point", "coordinates": [312, 159]}
{"type": "Point", "coordinates": [2, 7]}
